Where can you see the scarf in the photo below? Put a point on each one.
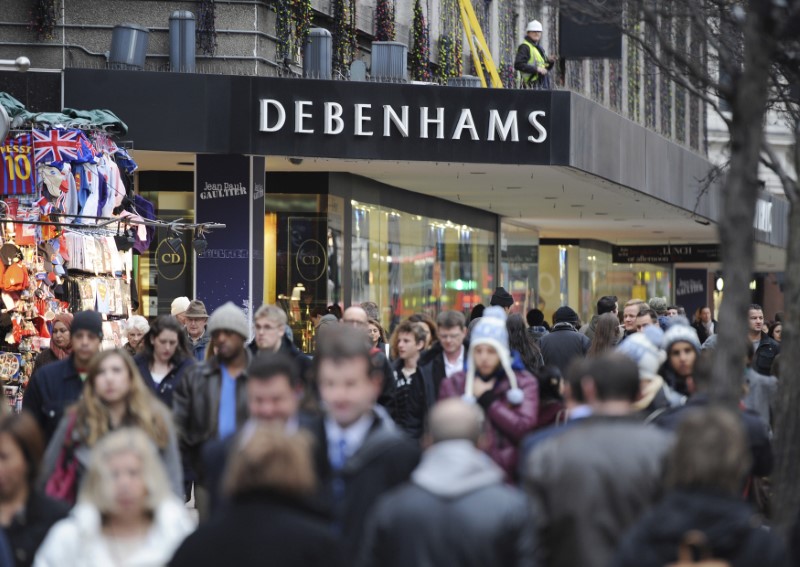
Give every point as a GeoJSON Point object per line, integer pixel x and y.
{"type": "Point", "coordinates": [66, 319]}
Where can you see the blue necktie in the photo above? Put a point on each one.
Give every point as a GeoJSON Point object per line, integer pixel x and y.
{"type": "Point", "coordinates": [339, 455]}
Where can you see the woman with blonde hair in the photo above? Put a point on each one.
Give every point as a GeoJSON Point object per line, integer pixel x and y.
{"type": "Point", "coordinates": [269, 481]}
{"type": "Point", "coordinates": [114, 396]}
{"type": "Point", "coordinates": [126, 513]}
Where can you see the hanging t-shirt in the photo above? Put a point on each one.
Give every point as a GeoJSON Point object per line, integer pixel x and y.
{"type": "Point", "coordinates": [17, 171]}
{"type": "Point", "coordinates": [227, 405]}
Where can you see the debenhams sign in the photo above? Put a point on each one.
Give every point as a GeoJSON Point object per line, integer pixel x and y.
{"type": "Point", "coordinates": [367, 120]}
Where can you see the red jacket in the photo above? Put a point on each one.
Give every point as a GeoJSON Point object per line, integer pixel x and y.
{"type": "Point", "coordinates": [507, 424]}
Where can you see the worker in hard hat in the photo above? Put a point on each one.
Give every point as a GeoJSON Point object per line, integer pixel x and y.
{"type": "Point", "coordinates": [531, 61]}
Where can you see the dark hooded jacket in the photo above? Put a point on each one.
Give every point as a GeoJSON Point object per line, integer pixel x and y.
{"type": "Point", "coordinates": [457, 512]}
{"type": "Point", "coordinates": [730, 527]}
{"type": "Point", "coordinates": [288, 348]}
{"type": "Point", "coordinates": [563, 345]}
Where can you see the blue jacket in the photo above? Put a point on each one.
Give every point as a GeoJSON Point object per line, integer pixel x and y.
{"type": "Point", "coordinates": [5, 551]}
{"type": "Point", "coordinates": [165, 388]}
{"type": "Point", "coordinates": [52, 388]}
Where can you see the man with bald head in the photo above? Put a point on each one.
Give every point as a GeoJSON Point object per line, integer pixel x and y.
{"type": "Point", "coordinates": [356, 316]}
{"type": "Point", "coordinates": [456, 510]}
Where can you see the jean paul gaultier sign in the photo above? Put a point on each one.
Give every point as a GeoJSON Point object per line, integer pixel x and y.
{"type": "Point", "coordinates": [412, 122]}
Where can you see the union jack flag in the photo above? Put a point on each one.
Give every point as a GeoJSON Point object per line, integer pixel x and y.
{"type": "Point", "coordinates": [56, 145]}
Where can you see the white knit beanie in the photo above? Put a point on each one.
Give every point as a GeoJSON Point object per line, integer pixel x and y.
{"type": "Point", "coordinates": [491, 330]}
{"type": "Point", "coordinates": [179, 305]}
{"type": "Point", "coordinates": [644, 351]}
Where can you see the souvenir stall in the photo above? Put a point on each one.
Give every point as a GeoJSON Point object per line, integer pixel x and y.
{"type": "Point", "coordinates": [69, 224]}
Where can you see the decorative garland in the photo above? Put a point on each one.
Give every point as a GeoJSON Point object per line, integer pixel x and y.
{"type": "Point", "coordinates": [384, 20]}
{"type": "Point", "coordinates": [696, 55]}
{"type": "Point", "coordinates": [451, 45]}
{"type": "Point", "coordinates": [420, 51]}
{"type": "Point", "coordinates": [344, 36]}
{"type": "Point", "coordinates": [292, 24]}
{"type": "Point", "coordinates": [508, 43]}
{"type": "Point", "coordinates": [650, 71]}
{"type": "Point", "coordinates": [598, 71]}
{"type": "Point", "coordinates": [634, 69]}
{"type": "Point", "coordinates": [665, 85]}
{"type": "Point", "coordinates": [43, 18]}
{"type": "Point", "coordinates": [614, 84]}
{"type": "Point", "coordinates": [207, 27]}
{"type": "Point", "coordinates": [680, 92]}
{"type": "Point", "coordinates": [481, 8]}
{"type": "Point", "coordinates": [302, 21]}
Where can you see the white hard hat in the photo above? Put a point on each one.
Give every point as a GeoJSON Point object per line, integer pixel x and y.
{"type": "Point", "coordinates": [534, 25]}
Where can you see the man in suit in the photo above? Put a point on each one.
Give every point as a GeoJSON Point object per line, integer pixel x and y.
{"type": "Point", "coordinates": [367, 454]}
{"type": "Point", "coordinates": [446, 357]}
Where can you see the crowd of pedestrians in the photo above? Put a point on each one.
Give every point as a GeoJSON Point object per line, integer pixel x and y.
{"type": "Point", "coordinates": [500, 440]}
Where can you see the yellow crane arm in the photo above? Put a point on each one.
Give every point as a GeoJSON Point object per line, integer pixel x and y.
{"type": "Point", "coordinates": [477, 45]}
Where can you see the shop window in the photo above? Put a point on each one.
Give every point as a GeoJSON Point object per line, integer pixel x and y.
{"type": "Point", "coordinates": [408, 263]}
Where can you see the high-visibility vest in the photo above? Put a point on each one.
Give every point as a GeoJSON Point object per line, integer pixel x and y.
{"type": "Point", "coordinates": [535, 58]}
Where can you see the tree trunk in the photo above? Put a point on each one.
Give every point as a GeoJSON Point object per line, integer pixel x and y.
{"type": "Point", "coordinates": [786, 497]}
{"type": "Point", "coordinates": [739, 201]}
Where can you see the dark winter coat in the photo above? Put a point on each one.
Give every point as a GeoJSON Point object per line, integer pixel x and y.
{"type": "Point", "coordinates": [523, 56]}
{"type": "Point", "coordinates": [51, 389]}
{"type": "Point", "coordinates": [165, 389]}
{"type": "Point", "coordinates": [47, 356]}
{"type": "Point", "coordinates": [199, 347]}
{"type": "Point", "coordinates": [288, 348]}
{"type": "Point", "coordinates": [702, 333]}
{"type": "Point", "coordinates": [384, 461]}
{"type": "Point", "coordinates": [757, 432]}
{"type": "Point", "coordinates": [591, 483]}
{"type": "Point", "coordinates": [765, 354]}
{"type": "Point", "coordinates": [434, 359]}
{"type": "Point", "coordinates": [29, 528]}
{"type": "Point", "coordinates": [218, 452]}
{"type": "Point", "coordinates": [507, 424]}
{"type": "Point", "coordinates": [411, 401]}
{"type": "Point", "coordinates": [730, 526]}
{"type": "Point", "coordinates": [195, 406]}
{"type": "Point", "coordinates": [563, 345]}
{"type": "Point", "coordinates": [258, 529]}
{"type": "Point", "coordinates": [537, 333]}
{"type": "Point", "coordinates": [455, 512]}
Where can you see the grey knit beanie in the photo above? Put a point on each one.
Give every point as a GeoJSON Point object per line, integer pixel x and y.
{"type": "Point", "coordinates": [228, 317]}
{"type": "Point", "coordinates": [680, 332]}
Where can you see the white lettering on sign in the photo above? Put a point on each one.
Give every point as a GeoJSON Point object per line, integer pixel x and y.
{"type": "Point", "coordinates": [503, 127]}
{"type": "Point", "coordinates": [361, 119]}
{"type": "Point", "coordinates": [300, 116]}
{"type": "Point", "coordinates": [265, 106]}
{"type": "Point", "coordinates": [533, 118]}
{"type": "Point", "coordinates": [333, 113]}
{"type": "Point", "coordinates": [497, 126]}
{"type": "Point", "coordinates": [465, 121]}
{"type": "Point", "coordinates": [763, 218]}
{"type": "Point", "coordinates": [221, 190]}
{"type": "Point", "coordinates": [400, 122]}
{"type": "Point", "coordinates": [688, 287]}
{"type": "Point", "coordinates": [425, 121]}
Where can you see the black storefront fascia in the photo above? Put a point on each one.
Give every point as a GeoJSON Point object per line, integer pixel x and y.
{"type": "Point", "coordinates": [223, 114]}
